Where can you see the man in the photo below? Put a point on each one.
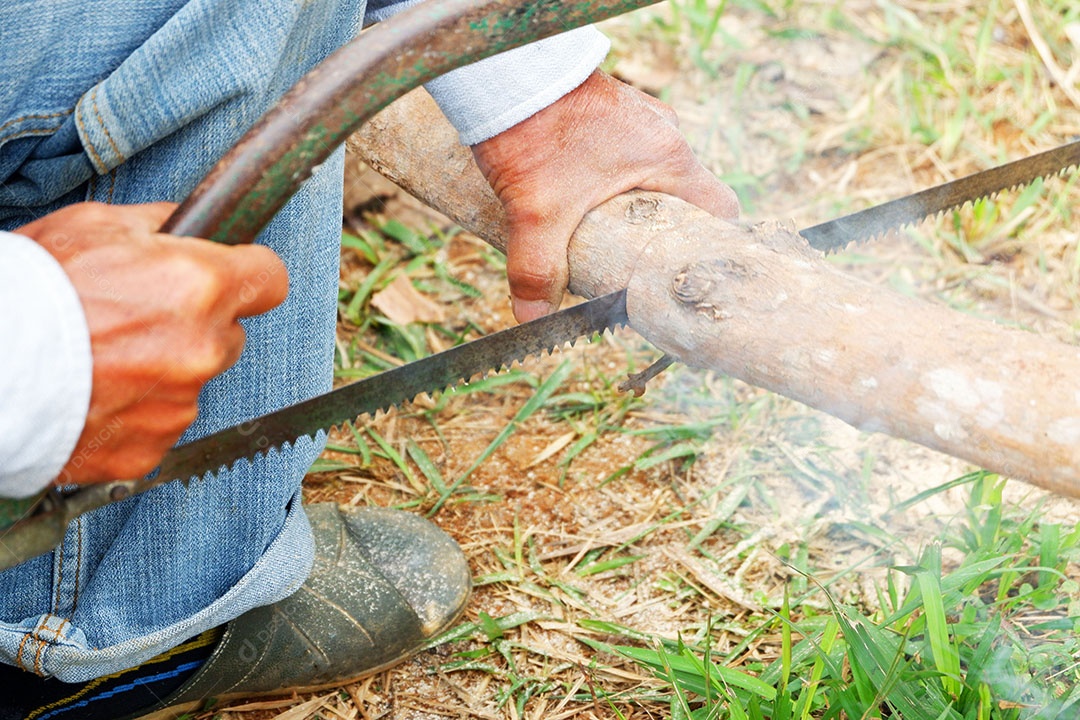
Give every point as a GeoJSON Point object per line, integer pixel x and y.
{"type": "Point", "coordinates": [120, 334]}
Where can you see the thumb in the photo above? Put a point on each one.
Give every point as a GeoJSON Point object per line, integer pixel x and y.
{"type": "Point", "coordinates": [536, 262]}
{"type": "Point", "coordinates": [255, 273]}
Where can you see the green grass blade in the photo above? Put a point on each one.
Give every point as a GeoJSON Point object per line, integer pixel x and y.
{"type": "Point", "coordinates": [828, 641]}
{"type": "Point", "coordinates": [945, 656]}
{"type": "Point", "coordinates": [690, 676]}
{"type": "Point", "coordinates": [609, 564]}
{"type": "Point", "coordinates": [363, 292]}
{"type": "Point", "coordinates": [427, 467]}
{"type": "Point", "coordinates": [395, 457]}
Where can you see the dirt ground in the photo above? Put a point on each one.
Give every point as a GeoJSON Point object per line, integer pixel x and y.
{"type": "Point", "coordinates": [772, 477]}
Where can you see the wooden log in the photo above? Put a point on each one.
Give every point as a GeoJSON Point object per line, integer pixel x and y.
{"type": "Point", "coordinates": [760, 305]}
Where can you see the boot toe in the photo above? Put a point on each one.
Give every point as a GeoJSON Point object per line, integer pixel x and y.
{"type": "Point", "coordinates": [383, 583]}
{"type": "Point", "coordinates": [421, 561]}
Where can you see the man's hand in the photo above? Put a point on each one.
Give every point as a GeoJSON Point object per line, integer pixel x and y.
{"type": "Point", "coordinates": [598, 141]}
{"type": "Point", "coordinates": [162, 313]}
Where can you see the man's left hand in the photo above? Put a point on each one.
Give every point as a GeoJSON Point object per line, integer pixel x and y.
{"type": "Point", "coordinates": [600, 140]}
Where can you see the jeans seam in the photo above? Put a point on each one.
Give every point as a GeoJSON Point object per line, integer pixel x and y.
{"type": "Point", "coordinates": [19, 652]}
{"type": "Point", "coordinates": [59, 579]}
{"type": "Point", "coordinates": [88, 140]}
{"type": "Point", "coordinates": [33, 116]}
{"type": "Point", "coordinates": [36, 633]}
{"type": "Point", "coordinates": [22, 118]}
{"type": "Point", "coordinates": [43, 642]}
{"type": "Point", "coordinates": [37, 653]}
{"type": "Point", "coordinates": [29, 132]}
{"type": "Point", "coordinates": [78, 565]}
{"type": "Point", "coordinates": [105, 128]}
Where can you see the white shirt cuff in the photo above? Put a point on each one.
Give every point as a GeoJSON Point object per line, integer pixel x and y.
{"type": "Point", "coordinates": [46, 367]}
{"type": "Point", "coordinates": [485, 98]}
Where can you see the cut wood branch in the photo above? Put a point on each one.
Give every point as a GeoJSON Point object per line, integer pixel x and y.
{"type": "Point", "coordinates": [760, 305]}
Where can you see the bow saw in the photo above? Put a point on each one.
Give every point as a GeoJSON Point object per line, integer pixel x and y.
{"type": "Point", "coordinates": [254, 180]}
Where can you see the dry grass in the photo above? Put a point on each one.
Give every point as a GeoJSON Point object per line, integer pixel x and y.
{"type": "Point", "coordinates": [813, 109]}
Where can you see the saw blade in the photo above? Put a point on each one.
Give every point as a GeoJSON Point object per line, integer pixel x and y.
{"type": "Point", "coordinates": [877, 220]}
{"type": "Point", "coordinates": [443, 370]}
{"type": "Point", "coordinates": [492, 353]}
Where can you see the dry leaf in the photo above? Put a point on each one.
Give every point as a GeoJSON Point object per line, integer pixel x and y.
{"type": "Point", "coordinates": [403, 304]}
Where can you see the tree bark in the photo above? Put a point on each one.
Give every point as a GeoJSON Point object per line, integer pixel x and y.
{"type": "Point", "coordinates": [761, 305]}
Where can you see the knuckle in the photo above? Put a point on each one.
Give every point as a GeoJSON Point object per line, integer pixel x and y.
{"type": "Point", "coordinates": [262, 256]}
{"type": "Point", "coordinates": [208, 361]}
{"type": "Point", "coordinates": [264, 276]}
{"type": "Point", "coordinates": [161, 207]}
{"type": "Point", "coordinates": [666, 112]}
{"type": "Point", "coordinates": [677, 151]}
{"type": "Point", "coordinates": [528, 207]}
{"type": "Point", "coordinates": [183, 416]}
{"type": "Point", "coordinates": [201, 285]}
{"type": "Point", "coordinates": [91, 212]}
{"type": "Point", "coordinates": [104, 220]}
{"type": "Point", "coordinates": [214, 355]}
{"type": "Point", "coordinates": [528, 281]}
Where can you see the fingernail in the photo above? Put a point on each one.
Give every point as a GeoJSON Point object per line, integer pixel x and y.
{"type": "Point", "coordinates": [526, 310]}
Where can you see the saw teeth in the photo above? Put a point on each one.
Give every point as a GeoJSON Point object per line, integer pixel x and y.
{"type": "Point", "coordinates": [933, 202]}
{"type": "Point", "coordinates": [592, 322]}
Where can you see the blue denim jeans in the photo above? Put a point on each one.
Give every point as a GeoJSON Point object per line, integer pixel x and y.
{"type": "Point", "coordinates": [129, 102]}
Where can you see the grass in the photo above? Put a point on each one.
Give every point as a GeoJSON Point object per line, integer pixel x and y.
{"type": "Point", "coordinates": [944, 652]}
{"type": "Point", "coordinates": [951, 639]}
{"type": "Point", "coordinates": [954, 645]}
{"type": "Point", "coordinates": [709, 550]}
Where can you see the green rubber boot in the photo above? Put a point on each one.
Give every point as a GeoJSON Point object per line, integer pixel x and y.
{"type": "Point", "coordinates": [384, 583]}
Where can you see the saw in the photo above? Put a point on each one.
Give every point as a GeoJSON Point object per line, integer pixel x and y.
{"type": "Point", "coordinates": [257, 177]}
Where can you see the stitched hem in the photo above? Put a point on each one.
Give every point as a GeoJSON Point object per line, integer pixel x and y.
{"type": "Point", "coordinates": [92, 123]}
{"type": "Point", "coordinates": [66, 655]}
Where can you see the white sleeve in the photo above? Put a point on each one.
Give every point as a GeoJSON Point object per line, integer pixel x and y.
{"type": "Point", "coordinates": [45, 367]}
{"type": "Point", "coordinates": [485, 98]}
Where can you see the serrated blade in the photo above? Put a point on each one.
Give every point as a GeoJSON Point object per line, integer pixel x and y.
{"type": "Point", "coordinates": [392, 387]}
{"type": "Point", "coordinates": [874, 221]}
{"type": "Point", "coordinates": [30, 528]}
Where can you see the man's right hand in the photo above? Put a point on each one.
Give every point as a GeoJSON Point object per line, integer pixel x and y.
{"type": "Point", "coordinates": [163, 318]}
